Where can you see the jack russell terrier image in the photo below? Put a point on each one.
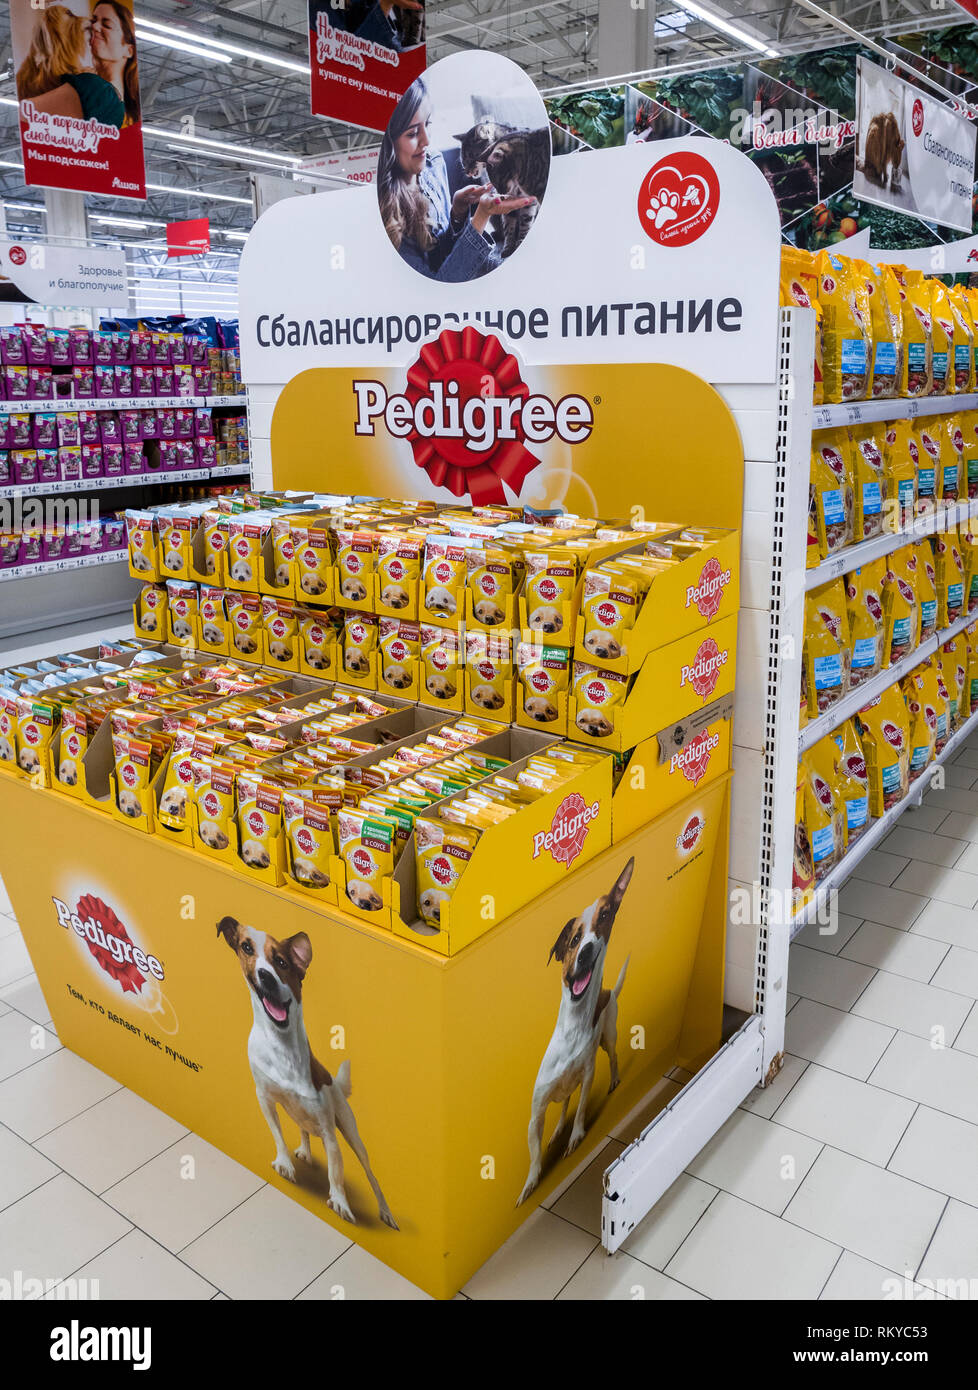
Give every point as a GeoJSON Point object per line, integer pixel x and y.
{"type": "Point", "coordinates": [282, 1063]}
{"type": "Point", "coordinates": [587, 1019]}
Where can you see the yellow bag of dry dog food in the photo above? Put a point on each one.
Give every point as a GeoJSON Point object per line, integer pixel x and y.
{"type": "Point", "coordinates": [440, 660]}
{"type": "Point", "coordinates": [259, 820]}
{"type": "Point", "coordinates": [366, 846]}
{"type": "Point", "coordinates": [887, 330]}
{"type": "Point", "coordinates": [846, 343]}
{"type": "Point", "coordinates": [833, 486]}
{"type": "Point", "coordinates": [442, 853]}
{"type": "Point", "coordinates": [852, 783]}
{"type": "Point", "coordinates": [489, 665]}
{"type": "Point", "coordinates": [281, 627]}
{"type": "Point", "coordinates": [900, 608]}
{"type": "Point", "coordinates": [827, 646]}
{"type": "Point", "coordinates": [803, 870]}
{"type": "Point", "coordinates": [399, 555]}
{"type": "Point", "coordinates": [310, 835]}
{"type": "Point", "coordinates": [864, 610]}
{"type": "Point", "coordinates": [901, 456]}
{"type": "Point", "coordinates": [942, 331]}
{"type": "Point", "coordinates": [400, 648]}
{"type": "Point", "coordinates": [312, 555]}
{"type": "Point", "coordinates": [953, 660]}
{"type": "Point", "coordinates": [884, 732]}
{"type": "Point", "coordinates": [544, 674]}
{"type": "Point", "coordinates": [799, 286]}
{"type": "Point", "coordinates": [153, 605]}
{"type": "Point", "coordinates": [964, 340]}
{"type": "Point", "coordinates": [918, 375]}
{"type": "Point", "coordinates": [925, 582]}
{"type": "Point", "coordinates": [950, 576]}
{"type": "Point", "coordinates": [824, 811]}
{"type": "Point", "coordinates": [867, 457]}
{"type": "Point", "coordinates": [245, 621]}
{"type": "Point", "coordinates": [141, 537]}
{"type": "Point", "coordinates": [551, 578]}
{"type": "Point", "coordinates": [444, 576]}
{"type": "Point", "coordinates": [213, 619]}
{"type": "Point", "coordinates": [596, 693]}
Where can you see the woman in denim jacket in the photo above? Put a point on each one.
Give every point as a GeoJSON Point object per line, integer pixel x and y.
{"type": "Point", "coordinates": [441, 236]}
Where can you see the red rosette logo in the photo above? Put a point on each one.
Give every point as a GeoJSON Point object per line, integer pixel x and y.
{"type": "Point", "coordinates": [823, 793]}
{"type": "Point", "coordinates": [242, 621]}
{"type": "Point", "coordinates": [442, 572]}
{"type": "Point", "coordinates": [855, 766]}
{"type": "Point", "coordinates": [256, 823]}
{"type": "Point", "coordinates": [850, 589]}
{"type": "Point", "coordinates": [690, 834]}
{"type": "Point", "coordinates": [957, 439]}
{"type": "Point", "coordinates": [924, 317]}
{"type": "Point", "coordinates": [31, 733]}
{"type": "Point", "coordinates": [185, 771]}
{"type": "Point", "coordinates": [353, 563]}
{"type": "Point", "coordinates": [308, 559]}
{"type": "Point", "coordinates": [395, 569]}
{"type": "Point", "coordinates": [930, 717]}
{"type": "Point", "coordinates": [930, 444]}
{"type": "Point", "coordinates": [211, 803]}
{"type": "Point", "coordinates": [873, 607]}
{"type": "Point", "coordinates": [710, 587]}
{"type": "Point", "coordinates": [569, 829]}
{"type": "Point", "coordinates": [124, 972]}
{"type": "Point", "coordinates": [596, 692]}
{"type": "Point", "coordinates": [695, 758]}
{"type": "Point", "coordinates": [606, 613]}
{"type": "Point", "coordinates": [905, 590]}
{"type": "Point", "coordinates": [72, 745]}
{"type": "Point", "coordinates": [216, 541]}
{"type": "Point", "coordinates": [913, 451]}
{"type": "Point", "coordinates": [278, 627]}
{"type": "Point", "coordinates": [128, 774]}
{"type": "Point", "coordinates": [828, 284]}
{"type": "Point", "coordinates": [6, 723]}
{"type": "Point", "coordinates": [706, 669]}
{"type": "Point", "coordinates": [357, 634]}
{"type": "Point", "coordinates": [834, 460]}
{"type": "Point", "coordinates": [917, 116]}
{"type": "Point", "coordinates": [441, 870]}
{"type": "Point", "coordinates": [18, 256]}
{"type": "Point", "coordinates": [316, 635]}
{"type": "Point", "coordinates": [486, 670]}
{"type": "Point", "coordinates": [471, 366]}
{"type": "Point", "coordinates": [180, 608]}
{"type": "Point", "coordinates": [439, 659]}
{"type": "Point", "coordinates": [362, 862]}
{"type": "Point", "coordinates": [871, 454]}
{"type": "Point", "coordinates": [893, 734]}
{"type": "Point", "coordinates": [305, 841]}
{"type": "Point", "coordinates": [398, 649]}
{"type": "Point", "coordinates": [488, 585]}
{"type": "Point", "coordinates": [286, 549]}
{"type": "Point", "coordinates": [679, 199]}
{"type": "Point", "coordinates": [241, 547]}
{"type": "Point", "coordinates": [912, 562]}
{"type": "Point", "coordinates": [548, 590]}
{"type": "Point", "coordinates": [540, 681]}
{"type": "Point", "coordinates": [800, 295]}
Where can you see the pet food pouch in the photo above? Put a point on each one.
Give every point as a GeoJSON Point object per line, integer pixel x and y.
{"type": "Point", "coordinates": [178, 782]}
{"type": "Point", "coordinates": [942, 338]}
{"type": "Point", "coordinates": [355, 561]}
{"type": "Point", "coordinates": [490, 577]}
{"type": "Point", "coordinates": [964, 341]}
{"type": "Point", "coordinates": [799, 286]}
{"type": "Point", "coordinates": [852, 783]}
{"type": "Point", "coordinates": [968, 533]}
{"type": "Point", "coordinates": [824, 812]}
{"type": "Point", "coordinates": [360, 631]}
{"type": "Point", "coordinates": [214, 795]}
{"type": "Point", "coordinates": [544, 674]}
{"type": "Point", "coordinates": [884, 732]}
{"type": "Point", "coordinates": [833, 486]}
{"type": "Point", "coordinates": [917, 341]}
{"type": "Point", "coordinates": [952, 659]}
{"type": "Point", "coordinates": [259, 820]}
{"type": "Point", "coordinates": [489, 666]}
{"type": "Point", "coordinates": [245, 620]}
{"type": "Point", "coordinates": [317, 637]}
{"type": "Point", "coordinates": [440, 656]}
{"type": "Point", "coordinates": [442, 853]}
{"type": "Point", "coordinates": [398, 567]}
{"type": "Point", "coordinates": [366, 846]}
{"type": "Point", "coordinates": [867, 459]}
{"type": "Point", "coordinates": [152, 609]}
{"type": "Point", "coordinates": [864, 610]}
{"type": "Point", "coordinates": [803, 870]}
{"type": "Point", "coordinates": [213, 620]}
{"type": "Point", "coordinates": [141, 537]}
{"type": "Point", "coordinates": [596, 693]}
{"type": "Point", "coordinates": [551, 579]}
{"type": "Point", "coordinates": [133, 768]}
{"type": "Point", "coordinates": [281, 628]}
{"type": "Point", "coordinates": [970, 698]}
{"type": "Point", "coordinates": [282, 551]}
{"type": "Point", "coordinates": [827, 646]}
{"type": "Point", "coordinates": [922, 700]}
{"type": "Point", "coordinates": [901, 455]}
{"type": "Point", "coordinates": [175, 532]}
{"type": "Point", "coordinates": [955, 466]}
{"type": "Point", "coordinates": [846, 343]}
{"type": "Point", "coordinates": [609, 607]}
{"type": "Point", "coordinates": [900, 608]}
{"type": "Point", "coordinates": [887, 330]}
{"type": "Point", "coordinates": [925, 582]}
{"type": "Point", "coordinates": [244, 552]}
{"type": "Point", "coordinates": [950, 576]}
{"type": "Point", "coordinates": [310, 836]}
{"type": "Point", "coordinates": [400, 648]}
{"type": "Point", "coordinates": [183, 601]}
{"type": "Point", "coordinates": [444, 576]}
{"type": "Point", "coordinates": [930, 466]}
{"type": "Point", "coordinates": [313, 555]}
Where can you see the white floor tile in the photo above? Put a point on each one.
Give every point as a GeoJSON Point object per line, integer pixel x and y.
{"type": "Point", "coordinates": [918, 844]}
{"type": "Point", "coordinates": [834, 1039]}
{"type": "Point", "coordinates": [267, 1248]}
{"type": "Point", "coordinates": [22, 1168]}
{"type": "Point", "coordinates": [5, 904]}
{"type": "Point", "coordinates": [8, 926]}
{"type": "Point", "coordinates": [879, 1215]}
{"type": "Point", "coordinates": [357, 1274]}
{"type": "Point", "coordinates": [830, 937]}
{"type": "Point", "coordinates": [26, 997]}
{"type": "Point", "coordinates": [958, 926]}
{"type": "Point", "coordinates": [860, 1280]}
{"type": "Point", "coordinates": [846, 1113]}
{"type": "Point", "coordinates": [913, 1006]}
{"type": "Point", "coordinates": [958, 971]}
{"type": "Point", "coordinates": [880, 866]}
{"type": "Point", "coordinates": [968, 860]}
{"type": "Point", "coordinates": [636, 1120]}
{"type": "Point", "coordinates": [15, 961]}
{"type": "Point", "coordinates": [968, 757]}
{"type": "Point", "coordinates": [55, 1229]}
{"type": "Point", "coordinates": [967, 1039]}
{"type": "Point", "coordinates": [756, 1159]}
{"type": "Point", "coordinates": [173, 1208]}
{"type": "Point", "coordinates": [942, 1152]}
{"type": "Point", "coordinates": [959, 775]}
{"type": "Point", "coordinates": [925, 818]}
{"type": "Point", "coordinates": [738, 1249]}
{"type": "Point", "coordinates": [790, 1001]}
{"type": "Point", "coordinates": [47, 1094]}
{"type": "Point", "coordinates": [934, 881]}
{"type": "Point", "coordinates": [962, 825]}
{"type": "Point", "coordinates": [953, 799]}
{"type": "Point", "coordinates": [899, 952]}
{"type": "Point", "coordinates": [136, 1268]}
{"type": "Point", "coordinates": [943, 1078]}
{"type": "Point", "coordinates": [581, 1202]}
{"type": "Point", "coordinates": [953, 1253]}
{"type": "Point", "coordinates": [656, 1239]}
{"type": "Point", "coordinates": [826, 979]}
{"type": "Point", "coordinates": [535, 1263]}
{"type": "Point", "coordinates": [876, 903]}
{"type": "Point", "coordinates": [764, 1101]}
{"type": "Point", "coordinates": [111, 1139]}
{"type": "Point", "coordinates": [23, 1043]}
{"type": "Point", "coordinates": [619, 1277]}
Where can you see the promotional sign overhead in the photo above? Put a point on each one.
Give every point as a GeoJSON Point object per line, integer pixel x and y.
{"type": "Point", "coordinates": [189, 238]}
{"type": "Point", "coordinates": [330, 172]}
{"type": "Point", "coordinates": [76, 277]}
{"type": "Point", "coordinates": [78, 87]}
{"type": "Point", "coordinates": [913, 154]}
{"type": "Point", "coordinates": [364, 55]}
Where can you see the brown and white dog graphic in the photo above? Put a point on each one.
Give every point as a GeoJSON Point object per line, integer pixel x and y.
{"type": "Point", "coordinates": [286, 1072]}
{"type": "Point", "coordinates": [587, 1019]}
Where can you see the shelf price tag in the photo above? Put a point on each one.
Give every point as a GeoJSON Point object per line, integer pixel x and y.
{"type": "Point", "coordinates": [854, 414]}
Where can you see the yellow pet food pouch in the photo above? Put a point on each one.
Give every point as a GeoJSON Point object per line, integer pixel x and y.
{"type": "Point", "coordinates": [152, 609]}
{"type": "Point", "coordinates": [489, 663]}
{"type": "Point", "coordinates": [283, 551]}
{"type": "Point", "coordinates": [213, 619]}
{"type": "Point", "coordinates": [440, 659]}
{"type": "Point", "coordinates": [313, 557]}
{"type": "Point", "coordinates": [544, 674]}
{"type": "Point", "coordinates": [281, 627]}
{"type": "Point", "coordinates": [846, 343]}
{"type": "Point", "coordinates": [596, 693]}
{"type": "Point", "coordinates": [442, 853]}
{"type": "Point", "coordinates": [444, 577]}
{"type": "Point", "coordinates": [824, 812]}
{"type": "Point", "coordinates": [833, 486]}
{"type": "Point", "coordinates": [243, 557]}
{"type": "Point", "coordinates": [183, 601]}
{"type": "Point", "coordinates": [400, 648]}
{"type": "Point", "coordinates": [356, 553]}
{"type": "Point", "coordinates": [827, 646]}
{"type": "Point", "coordinates": [134, 769]}
{"type": "Point", "coordinates": [366, 846]}
{"type": "Point", "coordinates": [310, 836]}
{"type": "Point", "coordinates": [900, 608]}
{"type": "Point", "coordinates": [867, 459]}
{"type": "Point", "coordinates": [214, 794]}
{"type": "Point", "coordinates": [259, 820]}
{"type": "Point", "coordinates": [359, 640]}
{"type": "Point", "coordinates": [317, 637]}
{"type": "Point", "coordinates": [551, 578]}
{"type": "Point", "coordinates": [141, 536]}
{"type": "Point", "coordinates": [399, 557]}
{"type": "Point", "coordinates": [245, 621]}
{"type": "Point", "coordinates": [884, 731]}
{"type": "Point", "coordinates": [864, 610]}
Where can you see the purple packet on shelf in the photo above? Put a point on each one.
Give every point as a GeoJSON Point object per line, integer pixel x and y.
{"type": "Point", "coordinates": [135, 462]}
{"type": "Point", "coordinates": [68, 429]}
{"type": "Point", "coordinates": [166, 424]}
{"type": "Point", "coordinates": [109, 427]}
{"type": "Point", "coordinates": [88, 428]}
{"type": "Point", "coordinates": [148, 423]}
{"type": "Point", "coordinates": [9, 548]}
{"type": "Point", "coordinates": [44, 429]}
{"type": "Point", "coordinates": [183, 379]}
{"type": "Point", "coordinates": [168, 456]}
{"type": "Point", "coordinates": [59, 347]}
{"type": "Point", "coordinates": [91, 460]}
{"type": "Point", "coordinates": [18, 382]}
{"type": "Point", "coordinates": [63, 387]}
{"type": "Point", "coordinates": [179, 348]}
{"type": "Point", "coordinates": [13, 349]}
{"type": "Point", "coordinates": [5, 474]}
{"type": "Point", "coordinates": [130, 422]}
{"type": "Point", "coordinates": [20, 431]}
{"type": "Point", "coordinates": [203, 423]}
{"type": "Point", "coordinates": [186, 453]}
{"type": "Point", "coordinates": [159, 346]}
{"type": "Point", "coordinates": [104, 382]}
{"type": "Point", "coordinates": [24, 465]}
{"type": "Point", "coordinates": [48, 467]}
{"type": "Point", "coordinates": [142, 345]}
{"type": "Point", "coordinates": [185, 422]}
{"type": "Point", "coordinates": [121, 346]}
{"type": "Point", "coordinates": [69, 456]}
{"type": "Point", "coordinates": [164, 380]}
{"type": "Point", "coordinates": [203, 381]}
{"type": "Point", "coordinates": [53, 544]}
{"type": "Point", "coordinates": [198, 349]}
{"type": "Point", "coordinates": [206, 453]}
{"type": "Point", "coordinates": [82, 351]}
{"type": "Point", "coordinates": [83, 381]}
{"type": "Point", "coordinates": [36, 339]}
{"type": "Point", "coordinates": [73, 543]}
{"type": "Point", "coordinates": [30, 548]}
{"type": "Point", "coordinates": [41, 379]}
{"type": "Point", "coordinates": [113, 533]}
{"type": "Point", "coordinates": [103, 347]}
{"type": "Point", "coordinates": [143, 380]}
{"type": "Point", "coordinates": [113, 460]}
{"type": "Point", "coordinates": [123, 380]}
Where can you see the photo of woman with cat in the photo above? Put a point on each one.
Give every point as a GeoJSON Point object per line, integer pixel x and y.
{"type": "Point", "coordinates": [456, 206]}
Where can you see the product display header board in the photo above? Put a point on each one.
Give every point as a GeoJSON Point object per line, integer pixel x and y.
{"type": "Point", "coordinates": [77, 75]}
{"type": "Point", "coordinates": [364, 54]}
{"type": "Point", "coordinates": [75, 276]}
{"type": "Point", "coordinates": [913, 154]}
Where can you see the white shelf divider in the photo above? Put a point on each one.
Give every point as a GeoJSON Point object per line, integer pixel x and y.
{"type": "Point", "coordinates": [944, 515]}
{"type": "Point", "coordinates": [119, 403]}
{"type": "Point", "coordinates": [176, 475]}
{"type": "Point", "coordinates": [74, 562]}
{"type": "Point", "coordinates": [891, 408]}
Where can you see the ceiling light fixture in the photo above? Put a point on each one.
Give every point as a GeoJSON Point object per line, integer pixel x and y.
{"type": "Point", "coordinates": [211, 55]}
{"type": "Point", "coordinates": [189, 193]}
{"type": "Point", "coordinates": [224, 46]}
{"type": "Point", "coordinates": [208, 143]}
{"type": "Point", "coordinates": [726, 27]}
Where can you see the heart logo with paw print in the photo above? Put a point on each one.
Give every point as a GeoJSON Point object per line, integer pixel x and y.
{"type": "Point", "coordinates": [678, 199]}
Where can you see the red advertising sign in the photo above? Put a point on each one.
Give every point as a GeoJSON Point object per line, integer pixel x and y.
{"type": "Point", "coordinates": [364, 55]}
{"type": "Point", "coordinates": [190, 238]}
{"type": "Point", "coordinates": [78, 88]}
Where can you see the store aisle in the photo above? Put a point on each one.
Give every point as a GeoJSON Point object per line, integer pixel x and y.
{"type": "Point", "coordinates": [854, 1176]}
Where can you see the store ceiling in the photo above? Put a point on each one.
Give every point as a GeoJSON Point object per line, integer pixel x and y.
{"type": "Point", "coordinates": [253, 103]}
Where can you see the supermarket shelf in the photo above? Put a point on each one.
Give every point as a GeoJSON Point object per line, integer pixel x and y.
{"type": "Point", "coordinates": [119, 403]}
{"type": "Point", "coordinates": [177, 475]}
{"type": "Point", "coordinates": [81, 562]}
{"type": "Point", "coordinates": [858, 698]}
{"type": "Point", "coordinates": [943, 516]}
{"type": "Point", "coordinates": [894, 408]}
{"type": "Point", "coordinates": [877, 831]}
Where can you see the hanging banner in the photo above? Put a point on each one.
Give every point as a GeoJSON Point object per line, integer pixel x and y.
{"type": "Point", "coordinates": [189, 238]}
{"type": "Point", "coordinates": [364, 55]}
{"type": "Point", "coordinates": [912, 153]}
{"type": "Point", "coordinates": [66, 276]}
{"type": "Point", "coordinates": [78, 88]}
{"type": "Point", "coordinates": [332, 171]}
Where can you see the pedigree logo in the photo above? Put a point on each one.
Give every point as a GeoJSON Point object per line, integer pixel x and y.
{"type": "Point", "coordinates": [694, 759]}
{"type": "Point", "coordinates": [707, 592]}
{"type": "Point", "coordinates": [564, 840]}
{"type": "Point", "coordinates": [704, 670]}
{"type": "Point", "coordinates": [690, 834]}
{"type": "Point", "coordinates": [110, 944]}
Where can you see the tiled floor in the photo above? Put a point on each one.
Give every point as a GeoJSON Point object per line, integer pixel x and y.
{"type": "Point", "coordinates": [855, 1175]}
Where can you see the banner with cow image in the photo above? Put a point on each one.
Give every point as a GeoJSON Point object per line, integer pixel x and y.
{"type": "Point", "coordinates": [77, 76]}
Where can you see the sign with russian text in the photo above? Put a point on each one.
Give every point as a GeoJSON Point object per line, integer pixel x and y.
{"type": "Point", "coordinates": [77, 80]}
{"type": "Point", "coordinates": [189, 238]}
{"type": "Point", "coordinates": [364, 54]}
{"type": "Point", "coordinates": [75, 277]}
